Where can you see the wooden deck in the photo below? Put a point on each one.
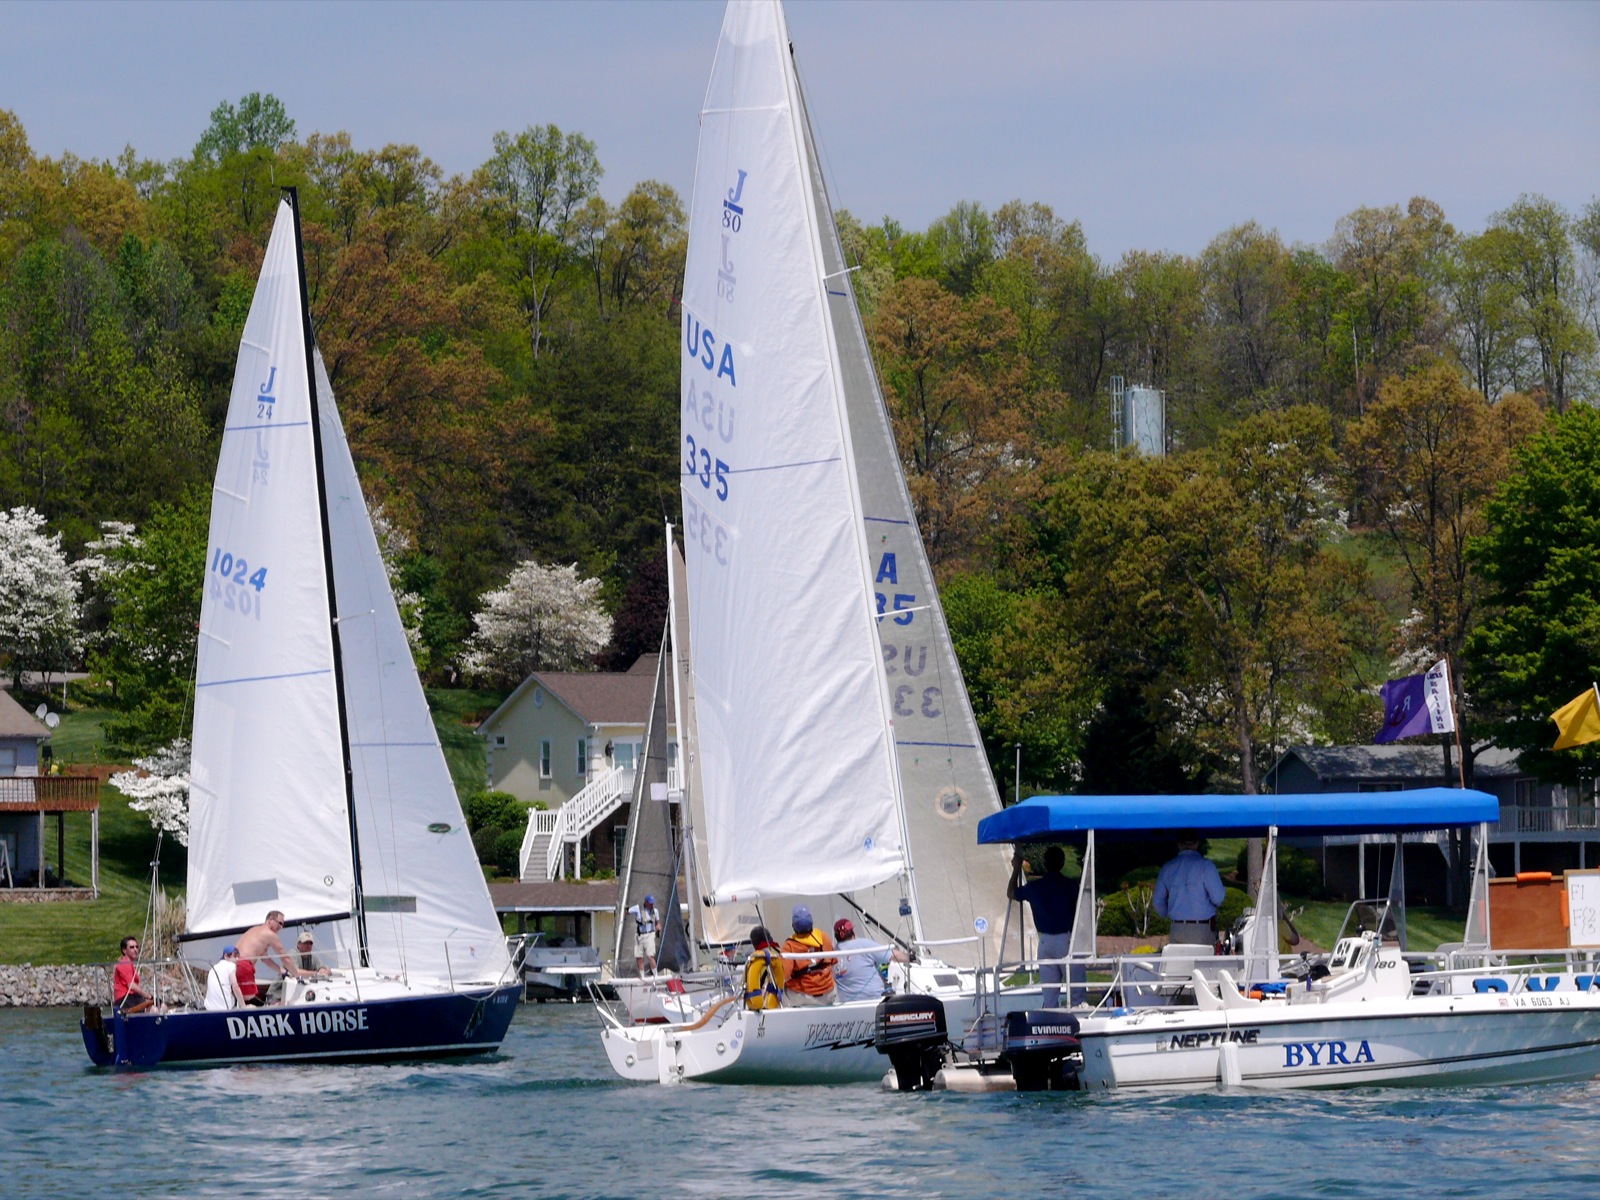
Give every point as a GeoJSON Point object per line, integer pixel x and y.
{"type": "Point", "coordinates": [49, 794]}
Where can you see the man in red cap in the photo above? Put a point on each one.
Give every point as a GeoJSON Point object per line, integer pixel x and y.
{"type": "Point", "coordinates": [863, 975]}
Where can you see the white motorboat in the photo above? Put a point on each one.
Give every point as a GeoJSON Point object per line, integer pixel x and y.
{"type": "Point", "coordinates": [1369, 1015]}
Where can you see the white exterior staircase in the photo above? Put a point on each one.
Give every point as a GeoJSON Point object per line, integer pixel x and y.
{"type": "Point", "coordinates": [550, 833]}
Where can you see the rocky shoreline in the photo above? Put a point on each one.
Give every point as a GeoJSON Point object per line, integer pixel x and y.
{"type": "Point", "coordinates": [28, 986]}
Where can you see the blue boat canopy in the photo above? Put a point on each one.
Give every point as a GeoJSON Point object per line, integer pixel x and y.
{"type": "Point", "coordinates": [1055, 818]}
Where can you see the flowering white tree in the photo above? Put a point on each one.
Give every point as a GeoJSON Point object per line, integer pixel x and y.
{"type": "Point", "coordinates": [544, 618]}
{"type": "Point", "coordinates": [159, 788]}
{"type": "Point", "coordinates": [394, 543]}
{"type": "Point", "coordinates": [38, 595]}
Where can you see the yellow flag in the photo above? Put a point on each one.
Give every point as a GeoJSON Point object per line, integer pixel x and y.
{"type": "Point", "coordinates": [1578, 720]}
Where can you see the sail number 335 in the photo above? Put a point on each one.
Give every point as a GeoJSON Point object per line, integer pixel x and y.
{"type": "Point", "coordinates": [711, 472]}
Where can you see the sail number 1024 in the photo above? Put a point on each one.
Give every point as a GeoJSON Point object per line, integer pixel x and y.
{"type": "Point", "coordinates": [711, 472]}
{"type": "Point", "coordinates": [237, 570]}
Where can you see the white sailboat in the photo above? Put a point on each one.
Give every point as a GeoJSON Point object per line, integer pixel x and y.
{"type": "Point", "coordinates": [318, 786]}
{"type": "Point", "coordinates": [835, 752]}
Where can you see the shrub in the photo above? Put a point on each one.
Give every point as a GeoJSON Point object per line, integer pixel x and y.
{"type": "Point", "coordinates": [1298, 872]}
{"type": "Point", "coordinates": [507, 853]}
{"type": "Point", "coordinates": [495, 810]}
{"type": "Point", "coordinates": [1126, 914]}
{"type": "Point", "coordinates": [1234, 902]}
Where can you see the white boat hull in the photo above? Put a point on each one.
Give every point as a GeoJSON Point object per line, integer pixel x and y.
{"type": "Point", "coordinates": [1411, 1041]}
{"type": "Point", "coordinates": [821, 1045]}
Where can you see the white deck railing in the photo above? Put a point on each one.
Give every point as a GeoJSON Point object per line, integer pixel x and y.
{"type": "Point", "coordinates": [1560, 818]}
{"type": "Point", "coordinates": [577, 818]}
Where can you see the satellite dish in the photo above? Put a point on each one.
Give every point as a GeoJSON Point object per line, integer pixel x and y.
{"type": "Point", "coordinates": [51, 720]}
{"type": "Point", "coordinates": [41, 710]}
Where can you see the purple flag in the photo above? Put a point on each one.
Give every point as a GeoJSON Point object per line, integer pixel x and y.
{"type": "Point", "coordinates": [1417, 704]}
{"type": "Point", "coordinates": [1405, 714]}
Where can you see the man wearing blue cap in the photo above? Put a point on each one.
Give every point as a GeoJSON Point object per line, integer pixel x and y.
{"type": "Point", "coordinates": [646, 926]}
{"type": "Point", "coordinates": [810, 979]}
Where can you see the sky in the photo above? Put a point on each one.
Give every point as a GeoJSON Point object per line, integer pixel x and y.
{"type": "Point", "coordinates": [1156, 125]}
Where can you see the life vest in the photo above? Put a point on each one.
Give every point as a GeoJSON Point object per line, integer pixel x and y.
{"type": "Point", "coordinates": [646, 921]}
{"type": "Point", "coordinates": [763, 980]}
{"type": "Point", "coordinates": [813, 976]}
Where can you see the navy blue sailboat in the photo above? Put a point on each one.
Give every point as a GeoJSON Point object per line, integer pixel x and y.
{"type": "Point", "coordinates": [318, 788]}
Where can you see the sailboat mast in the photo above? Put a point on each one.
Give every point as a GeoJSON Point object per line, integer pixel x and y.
{"type": "Point", "coordinates": [358, 908]}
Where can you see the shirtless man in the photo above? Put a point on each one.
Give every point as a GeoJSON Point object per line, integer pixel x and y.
{"type": "Point", "coordinates": [260, 944]}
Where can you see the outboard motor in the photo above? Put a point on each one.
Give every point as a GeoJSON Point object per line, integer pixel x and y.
{"type": "Point", "coordinates": [1042, 1047]}
{"type": "Point", "coordinates": [911, 1030]}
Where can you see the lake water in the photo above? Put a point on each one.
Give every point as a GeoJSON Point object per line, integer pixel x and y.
{"type": "Point", "coordinates": [546, 1118]}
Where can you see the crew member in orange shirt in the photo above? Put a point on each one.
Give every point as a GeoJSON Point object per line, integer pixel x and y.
{"type": "Point", "coordinates": [810, 979]}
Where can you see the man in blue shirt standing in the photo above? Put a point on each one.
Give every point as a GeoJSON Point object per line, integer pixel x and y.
{"type": "Point", "coordinates": [1188, 891]}
{"type": "Point", "coordinates": [1054, 901]}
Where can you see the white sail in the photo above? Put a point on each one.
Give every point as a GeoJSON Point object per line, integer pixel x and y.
{"type": "Point", "coordinates": [944, 772]}
{"type": "Point", "coordinates": [797, 761]}
{"type": "Point", "coordinates": [427, 906]}
{"type": "Point", "coordinates": [269, 825]}
{"type": "Point", "coordinates": [270, 817]}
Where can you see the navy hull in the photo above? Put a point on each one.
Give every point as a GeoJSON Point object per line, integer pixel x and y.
{"type": "Point", "coordinates": [426, 1026]}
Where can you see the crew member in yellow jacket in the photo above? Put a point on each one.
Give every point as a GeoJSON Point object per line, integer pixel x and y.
{"type": "Point", "coordinates": [765, 973]}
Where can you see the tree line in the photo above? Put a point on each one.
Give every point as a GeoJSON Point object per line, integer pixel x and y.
{"type": "Point", "coordinates": [1348, 426]}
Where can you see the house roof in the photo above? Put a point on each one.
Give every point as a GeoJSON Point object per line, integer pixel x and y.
{"type": "Point", "coordinates": [1388, 764]}
{"type": "Point", "coordinates": [597, 697]}
{"type": "Point", "coordinates": [16, 721]}
{"type": "Point", "coordinates": [556, 896]}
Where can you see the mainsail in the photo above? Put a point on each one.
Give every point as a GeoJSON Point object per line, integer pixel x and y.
{"type": "Point", "coordinates": [652, 850]}
{"type": "Point", "coordinates": [785, 439]}
{"type": "Point", "coordinates": [273, 825]}
{"type": "Point", "coordinates": [801, 784]}
{"type": "Point", "coordinates": [269, 826]}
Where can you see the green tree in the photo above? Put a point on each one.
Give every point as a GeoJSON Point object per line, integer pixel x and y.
{"type": "Point", "coordinates": [1539, 646]}
{"type": "Point", "coordinates": [1025, 673]}
{"type": "Point", "coordinates": [1542, 260]}
{"type": "Point", "coordinates": [539, 182]}
{"type": "Point", "coordinates": [150, 588]}
{"type": "Point", "coordinates": [240, 149]}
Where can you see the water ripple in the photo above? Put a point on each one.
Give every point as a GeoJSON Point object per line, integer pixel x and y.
{"type": "Point", "coordinates": [546, 1118]}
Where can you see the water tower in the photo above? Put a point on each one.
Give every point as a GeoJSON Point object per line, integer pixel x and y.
{"type": "Point", "coordinates": [1138, 417]}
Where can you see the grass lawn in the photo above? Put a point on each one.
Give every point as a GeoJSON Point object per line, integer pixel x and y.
{"type": "Point", "coordinates": [1425, 927]}
{"type": "Point", "coordinates": [88, 931]}
{"type": "Point", "coordinates": [456, 713]}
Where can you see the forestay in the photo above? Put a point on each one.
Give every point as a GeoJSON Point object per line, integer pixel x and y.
{"type": "Point", "coordinates": [797, 759]}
